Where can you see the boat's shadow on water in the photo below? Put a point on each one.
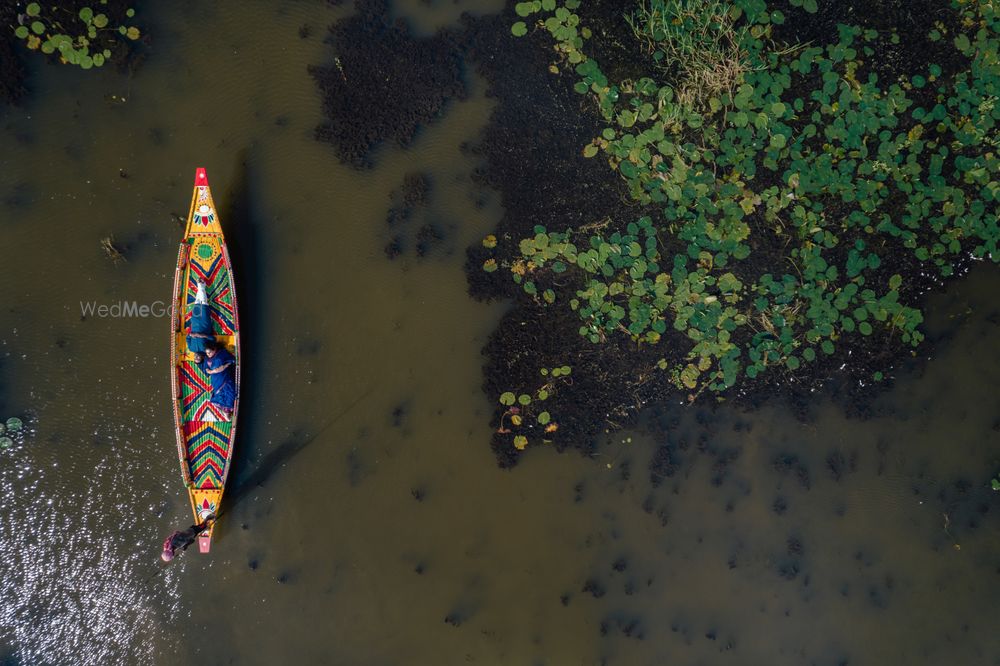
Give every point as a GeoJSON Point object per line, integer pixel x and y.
{"type": "Point", "coordinates": [256, 306]}
{"type": "Point", "coordinates": [243, 235]}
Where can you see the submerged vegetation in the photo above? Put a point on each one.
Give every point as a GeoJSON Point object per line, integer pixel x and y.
{"type": "Point", "coordinates": [83, 37]}
{"type": "Point", "coordinates": [11, 432]}
{"type": "Point", "coordinates": [805, 195]}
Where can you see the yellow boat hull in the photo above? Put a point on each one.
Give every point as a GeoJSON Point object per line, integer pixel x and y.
{"type": "Point", "coordinates": [205, 432]}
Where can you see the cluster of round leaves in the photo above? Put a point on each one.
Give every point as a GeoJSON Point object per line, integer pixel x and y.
{"type": "Point", "coordinates": [562, 25]}
{"type": "Point", "coordinates": [9, 430]}
{"type": "Point", "coordinates": [851, 144]}
{"type": "Point", "coordinates": [80, 43]}
{"type": "Point", "coordinates": [516, 402]}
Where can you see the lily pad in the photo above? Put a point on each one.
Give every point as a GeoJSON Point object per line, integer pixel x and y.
{"type": "Point", "coordinates": [14, 424]}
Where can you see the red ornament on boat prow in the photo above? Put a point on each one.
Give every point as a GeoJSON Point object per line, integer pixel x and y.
{"type": "Point", "coordinates": [200, 177]}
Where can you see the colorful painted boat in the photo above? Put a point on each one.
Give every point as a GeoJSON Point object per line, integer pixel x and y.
{"type": "Point", "coordinates": [204, 437]}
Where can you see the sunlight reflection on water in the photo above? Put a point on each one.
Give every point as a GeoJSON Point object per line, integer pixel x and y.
{"type": "Point", "coordinates": [74, 588]}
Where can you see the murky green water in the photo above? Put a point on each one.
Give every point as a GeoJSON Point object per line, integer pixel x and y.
{"type": "Point", "coordinates": [371, 525]}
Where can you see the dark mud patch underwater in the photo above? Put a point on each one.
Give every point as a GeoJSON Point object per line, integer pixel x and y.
{"type": "Point", "coordinates": [532, 155]}
{"type": "Point", "coordinates": [384, 83]}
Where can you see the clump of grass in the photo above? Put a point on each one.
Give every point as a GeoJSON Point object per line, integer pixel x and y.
{"type": "Point", "coordinates": [699, 42]}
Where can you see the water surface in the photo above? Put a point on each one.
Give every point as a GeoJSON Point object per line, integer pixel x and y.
{"type": "Point", "coordinates": [371, 525]}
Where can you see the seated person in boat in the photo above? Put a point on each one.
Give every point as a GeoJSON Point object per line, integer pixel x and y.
{"type": "Point", "coordinates": [220, 366]}
{"type": "Point", "coordinates": [201, 331]}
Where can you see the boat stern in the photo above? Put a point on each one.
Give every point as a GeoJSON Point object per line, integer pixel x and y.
{"type": "Point", "coordinates": [205, 504]}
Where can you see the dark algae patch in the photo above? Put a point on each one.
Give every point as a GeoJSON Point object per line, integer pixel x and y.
{"type": "Point", "coordinates": [383, 84]}
{"type": "Point", "coordinates": [11, 67]}
{"type": "Point", "coordinates": [776, 187]}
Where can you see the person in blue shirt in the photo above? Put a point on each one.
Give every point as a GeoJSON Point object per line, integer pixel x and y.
{"type": "Point", "coordinates": [201, 331]}
{"type": "Point", "coordinates": [214, 359]}
{"type": "Point", "coordinates": [220, 366]}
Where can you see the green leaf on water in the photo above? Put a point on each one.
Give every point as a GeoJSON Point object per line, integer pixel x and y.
{"type": "Point", "coordinates": [507, 398]}
{"type": "Point", "coordinates": [524, 399]}
{"type": "Point", "coordinates": [86, 14]}
{"type": "Point", "coordinates": [544, 418]}
{"type": "Point", "coordinates": [21, 32]}
{"type": "Point", "coordinates": [37, 27]}
{"type": "Point", "coordinates": [130, 13]}
{"type": "Point", "coordinates": [33, 9]}
{"type": "Point", "coordinates": [6, 442]}
{"type": "Point", "coordinates": [14, 424]}
{"type": "Point", "coordinates": [100, 20]}
{"type": "Point", "coordinates": [520, 29]}
{"type": "Point", "coordinates": [865, 328]}
{"type": "Point", "coordinates": [132, 33]}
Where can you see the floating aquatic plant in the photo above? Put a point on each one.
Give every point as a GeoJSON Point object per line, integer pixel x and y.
{"type": "Point", "coordinates": [83, 38]}
{"type": "Point", "coordinates": [847, 143]}
{"type": "Point", "coordinates": [520, 406]}
{"type": "Point", "coordinates": [11, 430]}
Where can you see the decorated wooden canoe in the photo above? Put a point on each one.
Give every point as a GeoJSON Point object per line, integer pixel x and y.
{"type": "Point", "coordinates": [205, 432]}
